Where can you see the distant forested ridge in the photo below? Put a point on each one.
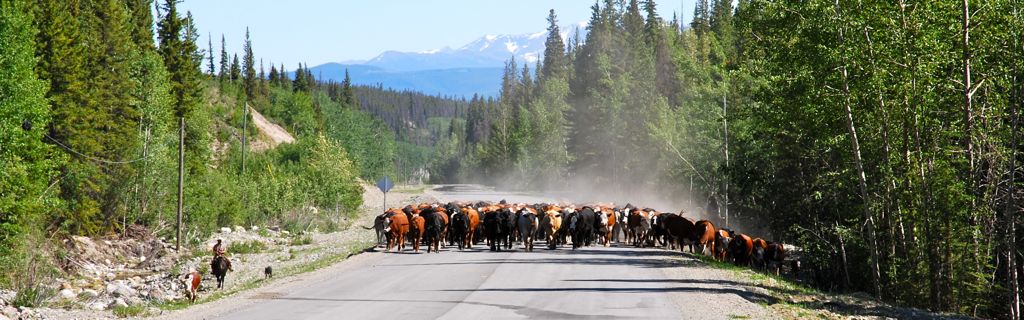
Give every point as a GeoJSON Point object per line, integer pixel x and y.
{"type": "Point", "coordinates": [880, 137]}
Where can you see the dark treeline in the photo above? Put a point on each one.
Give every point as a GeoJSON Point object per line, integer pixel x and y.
{"type": "Point", "coordinates": [880, 137]}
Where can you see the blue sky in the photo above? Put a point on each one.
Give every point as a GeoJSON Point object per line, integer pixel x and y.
{"type": "Point", "coordinates": [320, 31]}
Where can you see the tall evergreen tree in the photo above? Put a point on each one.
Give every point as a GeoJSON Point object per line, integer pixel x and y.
{"type": "Point", "coordinates": [142, 24]}
{"type": "Point", "coordinates": [273, 74]}
{"type": "Point", "coordinates": [183, 60]}
{"type": "Point", "coordinates": [225, 68]}
{"type": "Point", "coordinates": [554, 49]}
{"type": "Point", "coordinates": [346, 90]}
{"type": "Point", "coordinates": [209, 55]}
{"type": "Point", "coordinates": [248, 63]}
{"type": "Point", "coordinates": [236, 69]}
{"type": "Point", "coordinates": [299, 83]}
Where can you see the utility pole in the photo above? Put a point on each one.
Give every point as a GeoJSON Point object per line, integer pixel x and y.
{"type": "Point", "coordinates": [725, 121]}
{"type": "Point", "coordinates": [245, 125]}
{"type": "Point", "coordinates": [181, 180]}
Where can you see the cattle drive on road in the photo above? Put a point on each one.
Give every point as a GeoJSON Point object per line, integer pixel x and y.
{"type": "Point", "coordinates": [500, 226]}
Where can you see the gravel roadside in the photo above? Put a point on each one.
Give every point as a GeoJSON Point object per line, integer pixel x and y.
{"type": "Point", "coordinates": [335, 247]}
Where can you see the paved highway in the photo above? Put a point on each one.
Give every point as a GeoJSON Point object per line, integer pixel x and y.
{"type": "Point", "coordinates": [594, 282]}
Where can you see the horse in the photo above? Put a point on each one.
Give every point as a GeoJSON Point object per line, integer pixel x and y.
{"type": "Point", "coordinates": [220, 267]}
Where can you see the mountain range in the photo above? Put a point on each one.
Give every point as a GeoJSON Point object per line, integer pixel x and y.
{"type": "Point", "coordinates": [474, 68]}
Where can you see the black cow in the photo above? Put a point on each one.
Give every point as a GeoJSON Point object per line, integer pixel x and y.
{"type": "Point", "coordinates": [459, 228]}
{"type": "Point", "coordinates": [434, 229]}
{"type": "Point", "coordinates": [508, 219]}
{"type": "Point", "coordinates": [582, 227]}
{"type": "Point", "coordinates": [677, 229]}
{"type": "Point", "coordinates": [452, 208]}
{"type": "Point", "coordinates": [659, 233]}
{"type": "Point", "coordinates": [497, 225]}
{"type": "Point", "coordinates": [639, 226]}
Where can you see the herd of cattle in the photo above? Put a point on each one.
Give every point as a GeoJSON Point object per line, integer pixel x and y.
{"type": "Point", "coordinates": [466, 224]}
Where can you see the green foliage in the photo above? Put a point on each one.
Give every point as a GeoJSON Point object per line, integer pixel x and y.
{"type": "Point", "coordinates": [137, 310]}
{"type": "Point", "coordinates": [249, 75]}
{"type": "Point", "coordinates": [301, 241]}
{"type": "Point", "coordinates": [247, 247]}
{"type": "Point", "coordinates": [26, 163]}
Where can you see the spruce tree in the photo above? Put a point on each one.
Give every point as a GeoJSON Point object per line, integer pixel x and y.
{"type": "Point", "coordinates": [248, 63]}
{"type": "Point", "coordinates": [348, 97]}
{"type": "Point", "coordinates": [209, 55]}
{"type": "Point", "coordinates": [273, 74]}
{"type": "Point", "coordinates": [183, 61]}
{"type": "Point", "coordinates": [225, 68]}
{"type": "Point", "coordinates": [236, 70]}
{"type": "Point", "coordinates": [142, 23]}
{"type": "Point", "coordinates": [554, 49]}
{"type": "Point", "coordinates": [285, 82]}
{"type": "Point", "coordinates": [299, 84]}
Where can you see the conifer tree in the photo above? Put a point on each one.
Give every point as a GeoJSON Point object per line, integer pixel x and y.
{"type": "Point", "coordinates": [273, 74]}
{"type": "Point", "coordinates": [236, 69]}
{"type": "Point", "coordinates": [225, 68]}
{"type": "Point", "coordinates": [248, 63]}
{"type": "Point", "coordinates": [348, 97]}
{"type": "Point", "coordinates": [209, 53]}
{"type": "Point", "coordinates": [554, 49]}
{"type": "Point", "coordinates": [142, 24]}
{"type": "Point", "coordinates": [183, 60]}
{"type": "Point", "coordinates": [299, 84]}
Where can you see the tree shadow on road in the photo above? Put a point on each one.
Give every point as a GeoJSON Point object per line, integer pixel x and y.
{"type": "Point", "coordinates": [748, 295]}
{"type": "Point", "coordinates": [521, 310]}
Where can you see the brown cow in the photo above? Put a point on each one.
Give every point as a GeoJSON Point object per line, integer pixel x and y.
{"type": "Point", "coordinates": [444, 231]}
{"type": "Point", "coordinates": [192, 280]}
{"type": "Point", "coordinates": [397, 227]}
{"type": "Point", "coordinates": [703, 236]}
{"type": "Point", "coordinates": [757, 254]}
{"type": "Point", "coordinates": [679, 228]}
{"type": "Point", "coordinates": [609, 222]}
{"type": "Point", "coordinates": [553, 223]}
{"type": "Point", "coordinates": [740, 249]}
{"type": "Point", "coordinates": [722, 239]}
{"type": "Point", "coordinates": [416, 228]}
{"type": "Point", "coordinates": [775, 255]}
{"type": "Point", "coordinates": [474, 222]}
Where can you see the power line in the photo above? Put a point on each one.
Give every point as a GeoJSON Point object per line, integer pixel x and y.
{"type": "Point", "coordinates": [100, 160]}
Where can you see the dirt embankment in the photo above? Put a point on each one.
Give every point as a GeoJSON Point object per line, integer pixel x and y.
{"type": "Point", "coordinates": [271, 134]}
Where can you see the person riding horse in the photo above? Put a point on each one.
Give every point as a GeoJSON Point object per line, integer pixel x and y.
{"type": "Point", "coordinates": [219, 251]}
{"type": "Point", "coordinates": [220, 265]}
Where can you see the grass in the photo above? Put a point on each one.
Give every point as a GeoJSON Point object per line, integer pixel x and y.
{"type": "Point", "coordinates": [246, 247]}
{"type": "Point", "coordinates": [301, 241]}
{"type": "Point", "coordinates": [411, 189]}
{"type": "Point", "coordinates": [130, 311]}
{"type": "Point", "coordinates": [32, 296]}
{"type": "Point", "coordinates": [782, 289]}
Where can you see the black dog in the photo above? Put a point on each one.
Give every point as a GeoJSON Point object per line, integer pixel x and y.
{"type": "Point", "coordinates": [268, 272]}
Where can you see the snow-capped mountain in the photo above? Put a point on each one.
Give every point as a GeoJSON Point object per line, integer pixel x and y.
{"type": "Point", "coordinates": [474, 68]}
{"type": "Point", "coordinates": [485, 52]}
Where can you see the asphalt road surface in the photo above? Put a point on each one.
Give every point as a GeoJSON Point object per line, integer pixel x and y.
{"type": "Point", "coordinates": [593, 282]}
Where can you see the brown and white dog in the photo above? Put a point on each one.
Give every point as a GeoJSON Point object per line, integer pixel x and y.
{"type": "Point", "coordinates": [192, 285]}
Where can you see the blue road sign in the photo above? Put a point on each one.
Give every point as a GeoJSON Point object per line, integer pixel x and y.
{"type": "Point", "coordinates": [385, 184]}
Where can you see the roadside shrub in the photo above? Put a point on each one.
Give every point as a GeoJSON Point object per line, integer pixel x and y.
{"type": "Point", "coordinates": [246, 247]}
{"type": "Point", "coordinates": [301, 241]}
{"type": "Point", "coordinates": [130, 311]}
